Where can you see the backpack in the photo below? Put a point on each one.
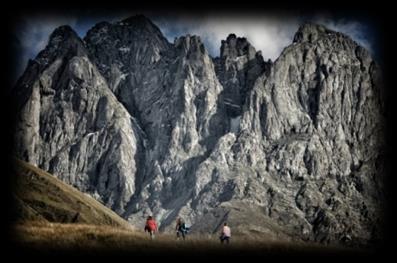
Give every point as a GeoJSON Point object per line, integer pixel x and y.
{"type": "Point", "coordinates": [185, 228]}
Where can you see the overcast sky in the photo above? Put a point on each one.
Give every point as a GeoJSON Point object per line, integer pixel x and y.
{"type": "Point", "coordinates": [268, 33]}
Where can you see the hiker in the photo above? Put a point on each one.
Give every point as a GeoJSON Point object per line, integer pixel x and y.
{"type": "Point", "coordinates": [151, 226]}
{"type": "Point", "coordinates": [225, 233]}
{"type": "Point", "coordinates": [181, 229]}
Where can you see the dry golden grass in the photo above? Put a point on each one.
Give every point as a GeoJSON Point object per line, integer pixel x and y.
{"type": "Point", "coordinates": [46, 224]}
{"type": "Point", "coordinates": [44, 236]}
{"type": "Point", "coordinates": [41, 196]}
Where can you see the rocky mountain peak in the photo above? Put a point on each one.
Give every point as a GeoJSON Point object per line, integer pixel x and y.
{"type": "Point", "coordinates": [140, 24]}
{"type": "Point", "coordinates": [190, 43]}
{"type": "Point", "coordinates": [64, 41]}
{"type": "Point", "coordinates": [237, 69]}
{"type": "Point", "coordinates": [138, 20]}
{"type": "Point", "coordinates": [130, 44]}
{"type": "Point", "coordinates": [62, 33]}
{"type": "Point", "coordinates": [310, 32]}
{"type": "Point", "coordinates": [234, 47]}
{"type": "Point", "coordinates": [128, 31]}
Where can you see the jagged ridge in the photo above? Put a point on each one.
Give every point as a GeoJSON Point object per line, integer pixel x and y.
{"type": "Point", "coordinates": [152, 127]}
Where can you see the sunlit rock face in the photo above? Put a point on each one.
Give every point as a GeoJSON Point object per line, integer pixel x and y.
{"type": "Point", "coordinates": [290, 149]}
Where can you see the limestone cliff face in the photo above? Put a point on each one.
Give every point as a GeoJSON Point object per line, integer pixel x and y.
{"type": "Point", "coordinates": [73, 125]}
{"type": "Point", "coordinates": [309, 143]}
{"type": "Point", "coordinates": [237, 68]}
{"type": "Point", "coordinates": [152, 127]}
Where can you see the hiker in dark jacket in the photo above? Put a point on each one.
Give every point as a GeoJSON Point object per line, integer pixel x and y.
{"type": "Point", "coordinates": [181, 229]}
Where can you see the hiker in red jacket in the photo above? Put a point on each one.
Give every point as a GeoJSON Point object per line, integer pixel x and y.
{"type": "Point", "coordinates": [151, 226]}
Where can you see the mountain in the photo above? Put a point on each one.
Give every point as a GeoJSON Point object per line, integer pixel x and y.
{"type": "Point", "coordinates": [84, 124]}
{"type": "Point", "coordinates": [152, 127]}
{"type": "Point", "coordinates": [42, 197]}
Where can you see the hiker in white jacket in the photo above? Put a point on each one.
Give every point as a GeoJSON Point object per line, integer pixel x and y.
{"type": "Point", "coordinates": [225, 234]}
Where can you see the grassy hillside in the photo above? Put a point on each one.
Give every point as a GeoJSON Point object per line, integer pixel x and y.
{"type": "Point", "coordinates": [105, 240]}
{"type": "Point", "coordinates": [42, 197]}
{"type": "Point", "coordinates": [55, 217]}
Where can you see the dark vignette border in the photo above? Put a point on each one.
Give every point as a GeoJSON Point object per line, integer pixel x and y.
{"type": "Point", "coordinates": [380, 14]}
